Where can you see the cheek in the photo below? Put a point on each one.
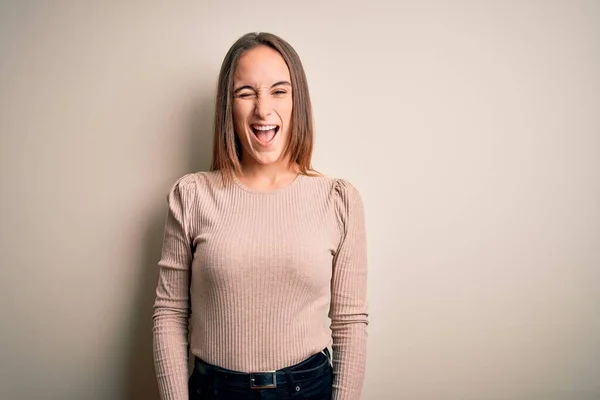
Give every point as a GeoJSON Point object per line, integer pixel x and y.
{"type": "Point", "coordinates": [239, 116]}
{"type": "Point", "coordinates": [286, 111]}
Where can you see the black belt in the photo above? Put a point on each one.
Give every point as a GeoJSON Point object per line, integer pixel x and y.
{"type": "Point", "coordinates": [264, 380]}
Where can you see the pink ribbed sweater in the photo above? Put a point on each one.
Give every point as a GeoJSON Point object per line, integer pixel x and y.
{"type": "Point", "coordinates": [263, 279]}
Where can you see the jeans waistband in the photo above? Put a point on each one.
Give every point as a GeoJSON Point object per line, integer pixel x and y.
{"type": "Point", "coordinates": [270, 379]}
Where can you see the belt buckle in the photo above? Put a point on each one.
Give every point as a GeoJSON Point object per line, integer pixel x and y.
{"type": "Point", "coordinates": [273, 385]}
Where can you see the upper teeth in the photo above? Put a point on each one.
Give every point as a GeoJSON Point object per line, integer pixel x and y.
{"type": "Point", "coordinates": [265, 127]}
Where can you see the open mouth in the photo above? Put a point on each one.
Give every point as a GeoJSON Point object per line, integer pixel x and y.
{"type": "Point", "coordinates": [264, 133]}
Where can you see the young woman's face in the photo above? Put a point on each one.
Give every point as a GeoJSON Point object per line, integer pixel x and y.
{"type": "Point", "coordinates": [262, 105]}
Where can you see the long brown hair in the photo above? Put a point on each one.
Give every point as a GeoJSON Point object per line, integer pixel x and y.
{"type": "Point", "coordinates": [227, 150]}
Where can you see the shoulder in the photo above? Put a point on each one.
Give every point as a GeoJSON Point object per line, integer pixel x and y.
{"type": "Point", "coordinates": [346, 190]}
{"type": "Point", "coordinates": [346, 200]}
{"type": "Point", "coordinates": [342, 194]}
{"type": "Point", "coordinates": [195, 182]}
{"type": "Point", "coordinates": [341, 189]}
{"type": "Point", "coordinates": [182, 185]}
{"type": "Point", "coordinates": [337, 186]}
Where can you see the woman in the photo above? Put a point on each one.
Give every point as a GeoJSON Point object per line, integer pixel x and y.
{"type": "Point", "coordinates": [261, 249]}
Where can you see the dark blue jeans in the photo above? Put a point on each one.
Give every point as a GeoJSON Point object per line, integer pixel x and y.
{"type": "Point", "coordinates": [311, 379]}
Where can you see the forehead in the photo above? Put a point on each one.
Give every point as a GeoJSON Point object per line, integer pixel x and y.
{"type": "Point", "coordinates": [261, 66]}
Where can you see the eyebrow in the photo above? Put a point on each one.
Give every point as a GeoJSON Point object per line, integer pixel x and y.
{"type": "Point", "coordinates": [280, 83]}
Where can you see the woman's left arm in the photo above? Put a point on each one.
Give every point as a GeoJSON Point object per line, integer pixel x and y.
{"type": "Point", "coordinates": [348, 312]}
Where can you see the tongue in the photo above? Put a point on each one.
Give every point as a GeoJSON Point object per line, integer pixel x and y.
{"type": "Point", "coordinates": [265, 136]}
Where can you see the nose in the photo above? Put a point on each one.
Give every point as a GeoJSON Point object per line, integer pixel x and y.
{"type": "Point", "coordinates": [262, 107]}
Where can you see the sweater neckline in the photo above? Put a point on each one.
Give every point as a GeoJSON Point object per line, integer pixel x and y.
{"type": "Point", "coordinates": [282, 189]}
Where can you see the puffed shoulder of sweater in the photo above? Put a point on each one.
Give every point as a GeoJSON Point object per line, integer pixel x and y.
{"type": "Point", "coordinates": [348, 201]}
{"type": "Point", "coordinates": [183, 184]}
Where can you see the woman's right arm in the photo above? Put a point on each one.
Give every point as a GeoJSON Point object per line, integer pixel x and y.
{"type": "Point", "coordinates": [171, 307]}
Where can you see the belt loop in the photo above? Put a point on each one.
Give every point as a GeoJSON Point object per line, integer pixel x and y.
{"type": "Point", "coordinates": [327, 354]}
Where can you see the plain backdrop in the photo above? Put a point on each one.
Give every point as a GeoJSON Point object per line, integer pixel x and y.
{"type": "Point", "coordinates": [471, 128]}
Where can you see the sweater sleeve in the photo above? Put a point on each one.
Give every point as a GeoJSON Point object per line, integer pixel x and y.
{"type": "Point", "coordinates": [171, 307]}
{"type": "Point", "coordinates": [348, 310]}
